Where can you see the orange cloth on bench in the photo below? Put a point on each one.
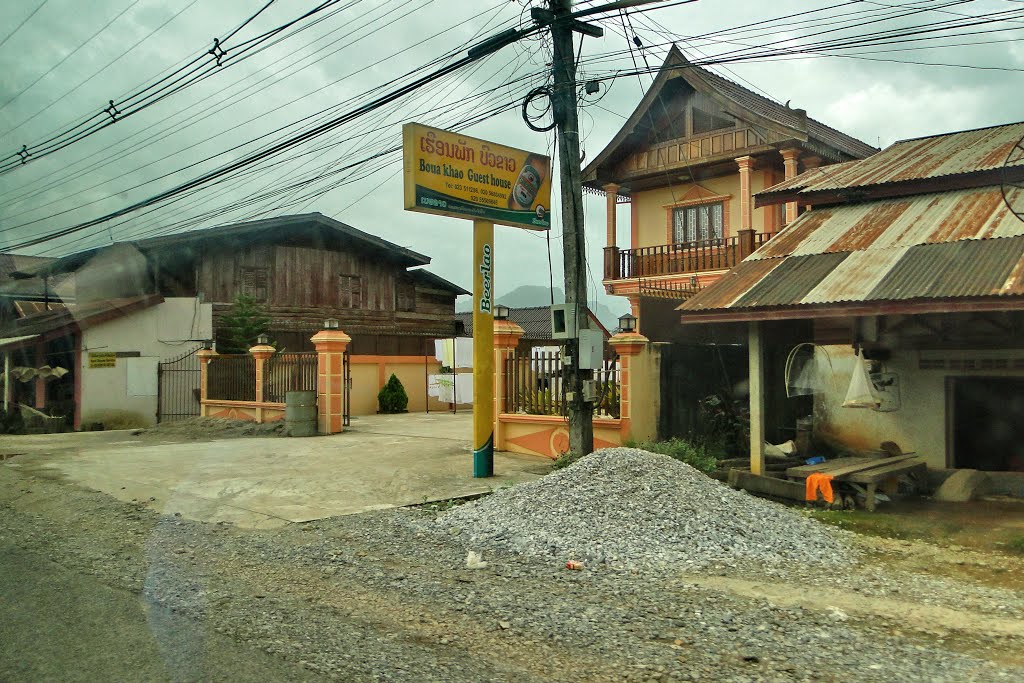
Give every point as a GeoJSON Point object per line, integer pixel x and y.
{"type": "Point", "coordinates": [822, 483]}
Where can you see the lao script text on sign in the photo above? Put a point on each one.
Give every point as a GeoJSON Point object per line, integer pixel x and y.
{"type": "Point", "coordinates": [463, 177]}
{"type": "Point", "coordinates": [102, 359]}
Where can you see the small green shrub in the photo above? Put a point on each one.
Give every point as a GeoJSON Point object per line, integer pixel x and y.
{"type": "Point", "coordinates": [392, 398]}
{"type": "Point", "coordinates": [697, 456]}
{"type": "Point", "coordinates": [1015, 545]}
{"type": "Point", "coordinates": [566, 459]}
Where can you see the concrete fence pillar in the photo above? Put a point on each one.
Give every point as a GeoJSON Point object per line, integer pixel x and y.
{"type": "Point", "coordinates": [204, 356]}
{"type": "Point", "coordinates": [639, 381]}
{"type": "Point", "coordinates": [330, 393]}
{"type": "Point", "coordinates": [261, 353]}
{"type": "Point", "coordinates": [506, 337]}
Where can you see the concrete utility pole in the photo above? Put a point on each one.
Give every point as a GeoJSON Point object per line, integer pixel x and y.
{"type": "Point", "coordinates": [563, 103]}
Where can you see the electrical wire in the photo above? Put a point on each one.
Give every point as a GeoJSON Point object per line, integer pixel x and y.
{"type": "Point", "coordinates": [23, 22]}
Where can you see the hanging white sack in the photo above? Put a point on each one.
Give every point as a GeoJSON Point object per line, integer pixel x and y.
{"type": "Point", "coordinates": [861, 393]}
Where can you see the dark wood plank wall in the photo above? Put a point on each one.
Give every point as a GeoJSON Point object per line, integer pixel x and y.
{"type": "Point", "coordinates": [303, 289]}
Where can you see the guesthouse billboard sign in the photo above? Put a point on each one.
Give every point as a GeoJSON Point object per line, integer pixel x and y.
{"type": "Point", "coordinates": [455, 175]}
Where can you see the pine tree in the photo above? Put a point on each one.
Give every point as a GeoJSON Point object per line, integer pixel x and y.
{"type": "Point", "coordinates": [240, 327]}
{"type": "Point", "coordinates": [392, 398]}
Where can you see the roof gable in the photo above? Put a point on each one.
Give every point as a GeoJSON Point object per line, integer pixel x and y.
{"type": "Point", "coordinates": [779, 121]}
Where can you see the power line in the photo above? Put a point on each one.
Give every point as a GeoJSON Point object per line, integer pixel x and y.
{"type": "Point", "coordinates": [274, 150]}
{"type": "Point", "coordinates": [171, 84]}
{"type": "Point", "coordinates": [69, 55]}
{"type": "Point", "coordinates": [23, 22]}
{"type": "Point", "coordinates": [104, 67]}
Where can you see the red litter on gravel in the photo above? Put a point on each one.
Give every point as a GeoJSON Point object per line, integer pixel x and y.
{"type": "Point", "coordinates": [574, 564]}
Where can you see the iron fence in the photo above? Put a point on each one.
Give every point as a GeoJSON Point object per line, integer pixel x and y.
{"type": "Point", "coordinates": [536, 385]}
{"type": "Point", "coordinates": [232, 378]}
{"type": "Point", "coordinates": [286, 372]}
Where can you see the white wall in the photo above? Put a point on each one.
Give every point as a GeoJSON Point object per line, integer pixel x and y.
{"type": "Point", "coordinates": [126, 394]}
{"type": "Point", "coordinates": [919, 425]}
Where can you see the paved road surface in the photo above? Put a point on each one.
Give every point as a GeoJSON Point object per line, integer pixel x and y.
{"type": "Point", "coordinates": [59, 625]}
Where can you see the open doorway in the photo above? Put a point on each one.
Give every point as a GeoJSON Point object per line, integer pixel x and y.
{"type": "Point", "coordinates": [987, 428]}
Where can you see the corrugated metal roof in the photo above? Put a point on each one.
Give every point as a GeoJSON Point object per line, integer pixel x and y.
{"type": "Point", "coordinates": [969, 151]}
{"type": "Point", "coordinates": [977, 213]}
{"type": "Point", "coordinates": [965, 268]}
{"type": "Point", "coordinates": [859, 272]}
{"type": "Point", "coordinates": [790, 281]}
{"type": "Point", "coordinates": [968, 268]}
{"type": "Point", "coordinates": [962, 243]}
{"type": "Point", "coordinates": [731, 285]}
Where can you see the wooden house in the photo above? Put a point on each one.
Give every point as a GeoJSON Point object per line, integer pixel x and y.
{"type": "Point", "coordinates": [302, 269]}
{"type": "Point", "coordinates": [688, 161]}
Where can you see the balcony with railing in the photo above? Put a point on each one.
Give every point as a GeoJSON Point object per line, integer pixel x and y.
{"type": "Point", "coordinates": [682, 258]}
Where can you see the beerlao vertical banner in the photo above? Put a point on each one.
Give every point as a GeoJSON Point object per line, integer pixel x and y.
{"type": "Point", "coordinates": [455, 175]}
{"type": "Point", "coordinates": [483, 349]}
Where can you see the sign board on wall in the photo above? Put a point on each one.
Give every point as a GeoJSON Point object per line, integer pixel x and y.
{"type": "Point", "coordinates": [102, 359]}
{"type": "Point", "coordinates": [462, 177]}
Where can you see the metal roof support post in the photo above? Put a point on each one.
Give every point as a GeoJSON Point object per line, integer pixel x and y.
{"type": "Point", "coordinates": [755, 344]}
{"type": "Point", "coordinates": [7, 381]}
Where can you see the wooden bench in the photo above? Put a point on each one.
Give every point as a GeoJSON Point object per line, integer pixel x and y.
{"type": "Point", "coordinates": [864, 474]}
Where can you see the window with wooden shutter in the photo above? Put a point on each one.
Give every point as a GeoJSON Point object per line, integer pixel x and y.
{"type": "Point", "coordinates": [405, 296]}
{"type": "Point", "coordinates": [350, 289]}
{"type": "Point", "coordinates": [254, 283]}
{"type": "Point", "coordinates": [698, 223]}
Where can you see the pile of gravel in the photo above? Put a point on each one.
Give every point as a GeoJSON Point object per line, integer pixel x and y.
{"type": "Point", "coordinates": [629, 508]}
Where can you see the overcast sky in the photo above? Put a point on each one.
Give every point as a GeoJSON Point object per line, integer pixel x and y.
{"type": "Point", "coordinates": [54, 71]}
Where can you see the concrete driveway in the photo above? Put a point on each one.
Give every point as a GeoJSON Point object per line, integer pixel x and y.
{"type": "Point", "coordinates": [382, 461]}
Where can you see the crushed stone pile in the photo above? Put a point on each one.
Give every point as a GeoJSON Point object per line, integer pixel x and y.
{"type": "Point", "coordinates": [631, 509]}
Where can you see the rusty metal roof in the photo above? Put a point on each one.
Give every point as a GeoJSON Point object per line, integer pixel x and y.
{"type": "Point", "coordinates": [976, 213]}
{"type": "Point", "coordinates": [936, 156]}
{"type": "Point", "coordinates": [940, 245]}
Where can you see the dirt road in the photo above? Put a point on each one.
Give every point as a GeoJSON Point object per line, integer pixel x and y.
{"type": "Point", "coordinates": [99, 589]}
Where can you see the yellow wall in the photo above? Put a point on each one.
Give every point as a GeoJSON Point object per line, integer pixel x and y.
{"type": "Point", "coordinates": [369, 373]}
{"type": "Point", "coordinates": [653, 217]}
{"type": "Point", "coordinates": [364, 389]}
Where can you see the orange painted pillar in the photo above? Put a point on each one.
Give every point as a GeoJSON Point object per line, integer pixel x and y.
{"type": "Point", "coordinates": [330, 385]}
{"type": "Point", "coordinates": [746, 165]}
{"type": "Point", "coordinates": [261, 353]}
{"type": "Point", "coordinates": [611, 195]}
{"type": "Point", "coordinates": [204, 356]}
{"type": "Point", "coordinates": [790, 157]}
{"type": "Point", "coordinates": [506, 337]}
{"type": "Point", "coordinates": [628, 345]}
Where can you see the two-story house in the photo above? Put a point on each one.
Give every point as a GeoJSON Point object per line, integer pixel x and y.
{"type": "Point", "coordinates": [688, 161]}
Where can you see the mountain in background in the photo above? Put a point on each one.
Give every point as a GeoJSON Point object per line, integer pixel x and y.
{"type": "Point", "coordinates": [528, 296]}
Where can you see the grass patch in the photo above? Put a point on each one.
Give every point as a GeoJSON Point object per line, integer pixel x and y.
{"type": "Point", "coordinates": [698, 456]}
{"type": "Point", "coordinates": [1014, 545]}
{"type": "Point", "coordinates": [903, 528]}
{"type": "Point", "coordinates": [565, 459]}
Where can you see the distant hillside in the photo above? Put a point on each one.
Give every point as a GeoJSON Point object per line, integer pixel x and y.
{"type": "Point", "coordinates": [538, 295]}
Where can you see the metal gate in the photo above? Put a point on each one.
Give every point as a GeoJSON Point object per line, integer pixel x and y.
{"type": "Point", "coordinates": [346, 400]}
{"type": "Point", "coordinates": [178, 387]}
